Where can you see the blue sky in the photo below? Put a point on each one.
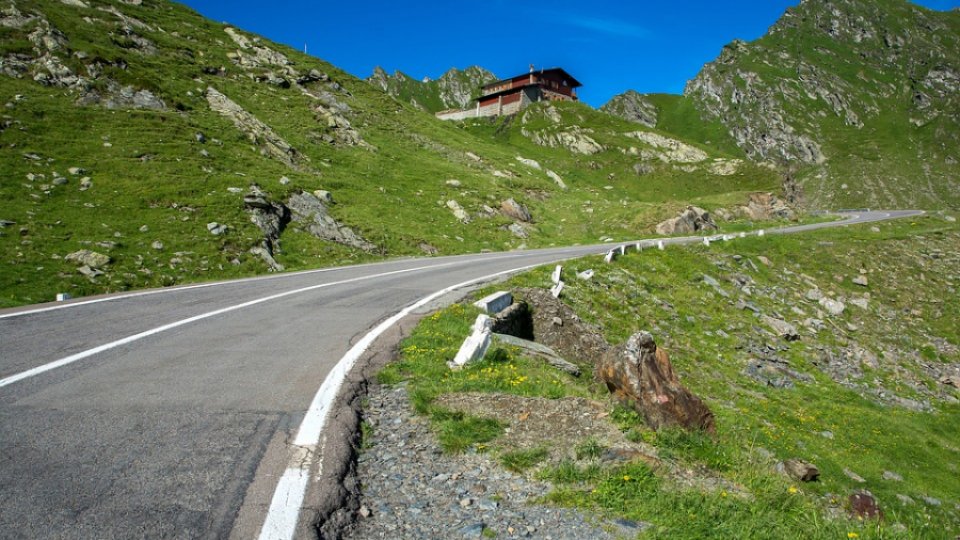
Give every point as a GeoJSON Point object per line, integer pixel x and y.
{"type": "Point", "coordinates": [610, 46]}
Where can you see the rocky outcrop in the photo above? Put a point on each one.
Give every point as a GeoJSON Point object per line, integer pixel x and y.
{"type": "Point", "coordinates": [691, 220]}
{"type": "Point", "coordinates": [271, 218]}
{"type": "Point", "coordinates": [766, 206]}
{"type": "Point", "coordinates": [574, 138]}
{"type": "Point", "coordinates": [666, 149]}
{"type": "Point", "coordinates": [632, 106]}
{"type": "Point", "coordinates": [455, 89]}
{"type": "Point", "coordinates": [309, 213]}
{"type": "Point", "coordinates": [640, 375]}
{"type": "Point", "coordinates": [260, 134]}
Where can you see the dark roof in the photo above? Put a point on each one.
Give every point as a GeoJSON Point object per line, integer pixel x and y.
{"type": "Point", "coordinates": [562, 72]}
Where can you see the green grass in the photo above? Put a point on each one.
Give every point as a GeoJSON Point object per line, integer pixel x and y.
{"type": "Point", "coordinates": [152, 172]}
{"type": "Point", "coordinates": [522, 460]}
{"type": "Point", "coordinates": [663, 292]}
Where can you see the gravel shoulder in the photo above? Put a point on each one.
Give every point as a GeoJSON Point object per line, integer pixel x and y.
{"type": "Point", "coordinates": [410, 489]}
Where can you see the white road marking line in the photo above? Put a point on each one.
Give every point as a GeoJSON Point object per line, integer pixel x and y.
{"type": "Point", "coordinates": [286, 501]}
{"type": "Point", "coordinates": [129, 339]}
{"type": "Point", "coordinates": [168, 290]}
{"type": "Point", "coordinates": [282, 520]}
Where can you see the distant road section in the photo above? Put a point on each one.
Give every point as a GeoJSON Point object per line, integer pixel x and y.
{"type": "Point", "coordinates": [163, 413]}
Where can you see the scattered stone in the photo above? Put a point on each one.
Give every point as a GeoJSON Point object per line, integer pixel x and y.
{"type": "Point", "coordinates": [799, 470]}
{"type": "Point", "coordinates": [157, 245]}
{"type": "Point", "coordinates": [529, 163]}
{"type": "Point", "coordinates": [814, 295]}
{"type": "Point", "coordinates": [453, 183]}
{"type": "Point", "coordinates": [905, 499]}
{"type": "Point", "coordinates": [834, 307]}
{"type": "Point", "coordinates": [640, 375]}
{"type": "Point", "coordinates": [217, 229]}
{"type": "Point", "coordinates": [60, 181]}
{"type": "Point", "coordinates": [892, 476]}
{"type": "Point", "coordinates": [284, 180]}
{"type": "Point", "coordinates": [557, 179]}
{"type": "Point", "coordinates": [518, 230]}
{"type": "Point", "coordinates": [854, 476]}
{"type": "Point", "coordinates": [716, 286]}
{"type": "Point", "coordinates": [864, 506]}
{"type": "Point", "coordinates": [765, 261]}
{"type": "Point", "coordinates": [861, 281]}
{"type": "Point", "coordinates": [932, 501]}
{"type": "Point", "coordinates": [783, 329]}
{"type": "Point", "coordinates": [89, 272]}
{"type": "Point", "coordinates": [861, 303]}
{"type": "Point", "coordinates": [88, 258]}
{"type": "Point", "coordinates": [76, 171]}
{"type": "Point", "coordinates": [827, 434]}
{"type": "Point", "coordinates": [586, 275]}
{"type": "Point", "coordinates": [458, 211]}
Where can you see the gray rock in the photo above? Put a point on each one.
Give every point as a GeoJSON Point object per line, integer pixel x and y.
{"type": "Point", "coordinates": [217, 229]}
{"type": "Point", "coordinates": [833, 307]}
{"type": "Point", "coordinates": [458, 211]}
{"type": "Point", "coordinates": [932, 501]}
{"type": "Point", "coordinates": [514, 210]}
{"type": "Point", "coordinates": [783, 329]}
{"type": "Point", "coordinates": [861, 281]}
{"type": "Point", "coordinates": [814, 295]}
{"type": "Point", "coordinates": [518, 230]}
{"type": "Point", "coordinates": [716, 286]}
{"type": "Point", "coordinates": [799, 470]}
{"type": "Point", "coordinates": [892, 476]}
{"type": "Point", "coordinates": [691, 220]}
{"type": "Point", "coordinates": [905, 499]}
{"type": "Point", "coordinates": [88, 258]}
{"type": "Point", "coordinates": [453, 183]}
{"type": "Point", "coordinates": [308, 211]}
{"type": "Point", "coordinates": [861, 303]}
{"type": "Point", "coordinates": [853, 476]}
{"type": "Point", "coordinates": [538, 350]}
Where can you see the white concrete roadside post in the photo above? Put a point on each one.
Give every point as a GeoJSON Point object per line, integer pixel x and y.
{"type": "Point", "coordinates": [555, 278]}
{"type": "Point", "coordinates": [760, 232]}
{"type": "Point", "coordinates": [476, 344]}
{"type": "Point", "coordinates": [660, 245]}
{"type": "Point", "coordinates": [706, 241]}
{"type": "Point", "coordinates": [610, 256]}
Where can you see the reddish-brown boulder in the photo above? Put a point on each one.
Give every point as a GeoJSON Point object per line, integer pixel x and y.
{"type": "Point", "coordinates": [864, 506]}
{"type": "Point", "coordinates": [640, 375]}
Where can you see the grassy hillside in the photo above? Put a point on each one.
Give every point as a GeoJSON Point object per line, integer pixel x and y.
{"type": "Point", "coordinates": [111, 144]}
{"type": "Point", "coordinates": [870, 395]}
{"type": "Point", "coordinates": [862, 96]}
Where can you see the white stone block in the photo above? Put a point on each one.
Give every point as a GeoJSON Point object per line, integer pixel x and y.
{"type": "Point", "coordinates": [495, 303]}
{"type": "Point", "coordinates": [706, 241]}
{"type": "Point", "coordinates": [660, 245]}
{"type": "Point", "coordinates": [476, 344]}
{"type": "Point", "coordinates": [557, 289]}
{"type": "Point", "coordinates": [555, 278]}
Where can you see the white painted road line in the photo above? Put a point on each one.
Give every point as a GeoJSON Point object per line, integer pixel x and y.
{"type": "Point", "coordinates": [281, 520]}
{"type": "Point", "coordinates": [135, 337]}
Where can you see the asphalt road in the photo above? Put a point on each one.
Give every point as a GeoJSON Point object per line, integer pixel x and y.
{"type": "Point", "coordinates": [172, 413]}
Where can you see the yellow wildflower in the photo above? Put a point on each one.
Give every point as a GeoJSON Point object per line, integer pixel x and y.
{"type": "Point", "coordinates": [792, 489]}
{"type": "Point", "coordinates": [852, 535]}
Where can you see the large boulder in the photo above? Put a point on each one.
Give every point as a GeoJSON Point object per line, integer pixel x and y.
{"type": "Point", "coordinates": [309, 212]}
{"type": "Point", "coordinates": [514, 210]}
{"type": "Point", "coordinates": [689, 221]}
{"type": "Point", "coordinates": [640, 375]}
{"type": "Point", "coordinates": [85, 257]}
{"type": "Point", "coordinates": [766, 206]}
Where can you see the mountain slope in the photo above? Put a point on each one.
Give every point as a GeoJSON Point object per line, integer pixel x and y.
{"type": "Point", "coordinates": [144, 145]}
{"type": "Point", "coordinates": [453, 90]}
{"type": "Point", "coordinates": [865, 95]}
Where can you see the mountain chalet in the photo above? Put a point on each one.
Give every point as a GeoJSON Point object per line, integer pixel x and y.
{"type": "Point", "coordinates": [509, 96]}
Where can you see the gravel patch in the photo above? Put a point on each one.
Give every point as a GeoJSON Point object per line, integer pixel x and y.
{"type": "Point", "coordinates": [410, 489]}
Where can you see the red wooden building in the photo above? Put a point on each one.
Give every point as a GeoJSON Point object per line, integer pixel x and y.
{"type": "Point", "coordinates": [508, 96]}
